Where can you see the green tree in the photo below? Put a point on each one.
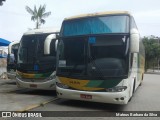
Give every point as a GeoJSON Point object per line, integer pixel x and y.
{"type": "Point", "coordinates": [152, 50]}
{"type": "Point", "coordinates": [38, 15]}
{"type": "Point", "coordinates": [1, 2]}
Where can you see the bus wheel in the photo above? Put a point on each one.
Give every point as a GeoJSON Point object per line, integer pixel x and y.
{"type": "Point", "coordinates": [133, 90]}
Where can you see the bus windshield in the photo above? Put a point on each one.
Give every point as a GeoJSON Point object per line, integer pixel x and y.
{"type": "Point", "coordinates": [96, 25]}
{"type": "Point", "coordinates": [31, 49]}
{"type": "Point", "coordinates": [94, 47]}
{"type": "Point", "coordinates": [107, 56]}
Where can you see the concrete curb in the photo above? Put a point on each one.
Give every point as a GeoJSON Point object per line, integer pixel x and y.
{"type": "Point", "coordinates": [36, 105]}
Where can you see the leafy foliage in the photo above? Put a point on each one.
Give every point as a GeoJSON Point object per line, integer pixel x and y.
{"type": "Point", "coordinates": [38, 15]}
{"type": "Point", "coordinates": [1, 2]}
{"type": "Point", "coordinates": [152, 50]}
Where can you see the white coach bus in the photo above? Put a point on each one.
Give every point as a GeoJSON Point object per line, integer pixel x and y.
{"type": "Point", "coordinates": [100, 58]}
{"type": "Point", "coordinates": [37, 59]}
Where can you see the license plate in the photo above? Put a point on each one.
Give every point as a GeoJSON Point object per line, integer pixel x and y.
{"type": "Point", "coordinates": [33, 86]}
{"type": "Point", "coordinates": [86, 96]}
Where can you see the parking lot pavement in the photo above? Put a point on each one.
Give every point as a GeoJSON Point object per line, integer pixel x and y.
{"type": "Point", "coordinates": [19, 99]}
{"type": "Point", "coordinates": [7, 85]}
{"type": "Point", "coordinates": [146, 98]}
{"type": "Point", "coordinates": [4, 81]}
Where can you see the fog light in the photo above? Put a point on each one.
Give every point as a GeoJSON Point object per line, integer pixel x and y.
{"type": "Point", "coordinates": [122, 98]}
{"type": "Point", "coordinates": [117, 99]}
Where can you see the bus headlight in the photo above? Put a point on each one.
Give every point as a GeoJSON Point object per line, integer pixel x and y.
{"type": "Point", "coordinates": [117, 89]}
{"type": "Point", "coordinates": [61, 85]}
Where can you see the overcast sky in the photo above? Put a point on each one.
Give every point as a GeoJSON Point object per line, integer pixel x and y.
{"type": "Point", "coordinates": [14, 20]}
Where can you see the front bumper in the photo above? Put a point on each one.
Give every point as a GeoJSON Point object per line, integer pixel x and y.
{"type": "Point", "coordinates": [103, 97]}
{"type": "Point", "coordinates": [48, 85]}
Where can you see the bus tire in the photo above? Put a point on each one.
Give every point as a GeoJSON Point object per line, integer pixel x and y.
{"type": "Point", "coordinates": [133, 90]}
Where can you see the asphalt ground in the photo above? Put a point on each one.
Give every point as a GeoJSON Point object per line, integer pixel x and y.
{"type": "Point", "coordinates": [146, 98]}
{"type": "Point", "coordinates": [20, 99]}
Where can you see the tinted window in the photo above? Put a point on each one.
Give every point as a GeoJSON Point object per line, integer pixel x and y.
{"type": "Point", "coordinates": [96, 25]}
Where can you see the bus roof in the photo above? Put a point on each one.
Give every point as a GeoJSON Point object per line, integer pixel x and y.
{"type": "Point", "coordinates": [42, 30]}
{"type": "Point", "coordinates": [98, 14]}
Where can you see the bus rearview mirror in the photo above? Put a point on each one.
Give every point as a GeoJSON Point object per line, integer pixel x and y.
{"type": "Point", "coordinates": [47, 43]}
{"type": "Point", "coordinates": [134, 40]}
